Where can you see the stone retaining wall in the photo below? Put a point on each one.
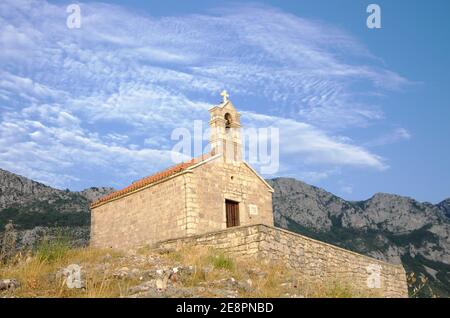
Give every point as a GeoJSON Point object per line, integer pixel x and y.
{"type": "Point", "coordinates": [316, 261]}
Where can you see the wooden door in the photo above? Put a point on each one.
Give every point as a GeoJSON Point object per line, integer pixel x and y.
{"type": "Point", "coordinates": [232, 211]}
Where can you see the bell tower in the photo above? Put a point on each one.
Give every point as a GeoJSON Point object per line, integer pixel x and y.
{"type": "Point", "coordinates": [225, 126]}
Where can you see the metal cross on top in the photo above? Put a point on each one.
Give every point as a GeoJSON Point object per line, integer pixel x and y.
{"type": "Point", "coordinates": [225, 96]}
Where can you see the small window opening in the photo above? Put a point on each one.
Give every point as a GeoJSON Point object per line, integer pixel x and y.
{"type": "Point", "coordinates": [227, 120]}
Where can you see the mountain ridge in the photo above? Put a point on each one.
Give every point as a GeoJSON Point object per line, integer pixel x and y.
{"type": "Point", "coordinates": [30, 203]}
{"type": "Point", "coordinates": [445, 206]}
{"type": "Point", "coordinates": [389, 227]}
{"type": "Point", "coordinates": [386, 226]}
{"type": "Point", "coordinates": [15, 188]}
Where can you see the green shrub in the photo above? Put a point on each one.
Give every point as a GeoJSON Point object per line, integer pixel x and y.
{"type": "Point", "coordinates": [52, 250]}
{"type": "Point", "coordinates": [221, 261]}
{"type": "Point", "coordinates": [8, 243]}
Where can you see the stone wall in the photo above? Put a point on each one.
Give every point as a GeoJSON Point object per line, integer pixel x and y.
{"type": "Point", "coordinates": [149, 215]}
{"type": "Point", "coordinates": [189, 203]}
{"type": "Point", "coordinates": [316, 261]}
{"type": "Point", "coordinates": [216, 181]}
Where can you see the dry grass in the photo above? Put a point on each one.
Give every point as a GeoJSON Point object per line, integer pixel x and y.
{"type": "Point", "coordinates": [37, 274]}
{"type": "Point", "coordinates": [274, 279]}
{"type": "Point", "coordinates": [202, 261]}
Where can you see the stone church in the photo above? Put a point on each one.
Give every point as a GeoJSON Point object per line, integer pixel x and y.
{"type": "Point", "coordinates": [216, 191]}
{"type": "Point", "coordinates": [218, 200]}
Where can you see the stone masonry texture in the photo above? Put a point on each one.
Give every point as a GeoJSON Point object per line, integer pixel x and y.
{"type": "Point", "coordinates": [314, 260]}
{"type": "Point", "coordinates": [191, 202]}
{"type": "Point", "coordinates": [187, 205]}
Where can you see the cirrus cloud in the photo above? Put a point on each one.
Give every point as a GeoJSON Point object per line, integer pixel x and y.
{"type": "Point", "coordinates": [97, 104]}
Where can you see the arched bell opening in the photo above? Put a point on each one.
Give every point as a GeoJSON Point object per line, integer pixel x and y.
{"type": "Point", "coordinates": [228, 120]}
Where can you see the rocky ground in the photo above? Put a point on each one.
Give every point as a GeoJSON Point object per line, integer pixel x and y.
{"type": "Point", "coordinates": [194, 272]}
{"type": "Point", "coordinates": [388, 227]}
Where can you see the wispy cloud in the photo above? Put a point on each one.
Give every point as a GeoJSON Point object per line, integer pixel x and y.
{"type": "Point", "coordinates": [104, 98]}
{"type": "Point", "coordinates": [313, 146]}
{"type": "Point", "coordinates": [396, 135]}
{"type": "Point", "coordinates": [46, 143]}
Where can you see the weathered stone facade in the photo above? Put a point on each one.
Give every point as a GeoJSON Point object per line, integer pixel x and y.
{"type": "Point", "coordinates": [144, 216]}
{"type": "Point", "coordinates": [192, 202]}
{"type": "Point", "coordinates": [189, 198]}
{"type": "Point", "coordinates": [217, 181]}
{"type": "Point", "coordinates": [187, 203]}
{"type": "Point", "coordinates": [316, 261]}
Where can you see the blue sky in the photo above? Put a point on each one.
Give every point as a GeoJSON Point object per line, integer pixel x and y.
{"type": "Point", "coordinates": [360, 111]}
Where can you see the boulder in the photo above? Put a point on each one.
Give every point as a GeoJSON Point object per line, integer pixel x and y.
{"type": "Point", "coordinates": [9, 284]}
{"type": "Point", "coordinates": [71, 275]}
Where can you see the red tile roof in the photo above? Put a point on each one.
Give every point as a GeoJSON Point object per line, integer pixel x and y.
{"type": "Point", "coordinates": [151, 179]}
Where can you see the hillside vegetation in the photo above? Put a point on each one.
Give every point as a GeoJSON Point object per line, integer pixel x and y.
{"type": "Point", "coordinates": [388, 227]}
{"type": "Point", "coordinates": [191, 272]}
